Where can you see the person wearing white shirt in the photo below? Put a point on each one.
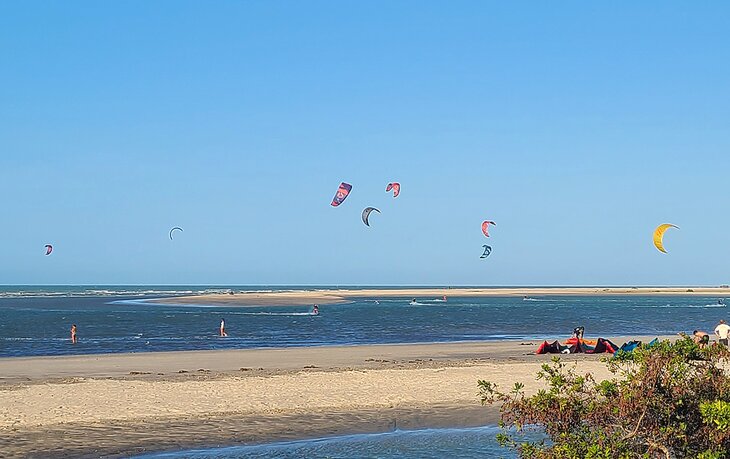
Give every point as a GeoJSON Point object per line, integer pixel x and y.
{"type": "Point", "coordinates": [722, 331]}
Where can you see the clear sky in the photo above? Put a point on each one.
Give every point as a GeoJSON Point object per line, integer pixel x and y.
{"type": "Point", "coordinates": [577, 126]}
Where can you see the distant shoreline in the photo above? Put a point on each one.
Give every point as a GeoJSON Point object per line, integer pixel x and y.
{"type": "Point", "coordinates": [326, 296]}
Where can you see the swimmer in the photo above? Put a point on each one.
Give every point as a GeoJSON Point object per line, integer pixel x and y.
{"type": "Point", "coordinates": [223, 328]}
{"type": "Point", "coordinates": [74, 340]}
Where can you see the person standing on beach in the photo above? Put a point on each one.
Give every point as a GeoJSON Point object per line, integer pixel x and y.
{"type": "Point", "coordinates": [223, 328]}
{"type": "Point", "coordinates": [73, 334]}
{"type": "Point", "coordinates": [722, 331]}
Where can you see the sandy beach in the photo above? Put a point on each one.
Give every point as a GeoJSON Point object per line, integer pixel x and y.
{"type": "Point", "coordinates": [118, 404]}
{"type": "Point", "coordinates": [307, 297]}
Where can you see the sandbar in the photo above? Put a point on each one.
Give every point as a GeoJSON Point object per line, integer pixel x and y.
{"type": "Point", "coordinates": [324, 296]}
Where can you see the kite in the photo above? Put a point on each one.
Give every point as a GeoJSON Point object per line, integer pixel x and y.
{"type": "Point", "coordinates": [366, 214]}
{"type": "Point", "coordinates": [175, 228]}
{"type": "Point", "coordinates": [49, 249]}
{"type": "Point", "coordinates": [485, 227]}
{"type": "Point", "coordinates": [659, 235]}
{"type": "Point", "coordinates": [487, 251]}
{"type": "Point", "coordinates": [341, 194]}
{"type": "Point", "coordinates": [395, 186]}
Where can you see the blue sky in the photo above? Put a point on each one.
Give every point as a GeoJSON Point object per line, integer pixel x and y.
{"type": "Point", "coordinates": [578, 127]}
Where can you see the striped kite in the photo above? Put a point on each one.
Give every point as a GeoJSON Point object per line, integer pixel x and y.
{"type": "Point", "coordinates": [341, 194]}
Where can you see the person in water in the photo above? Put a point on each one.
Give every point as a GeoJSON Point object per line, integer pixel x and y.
{"type": "Point", "coordinates": [701, 338]}
{"type": "Point", "coordinates": [73, 334]}
{"type": "Point", "coordinates": [223, 328]}
{"type": "Point", "coordinates": [315, 310]}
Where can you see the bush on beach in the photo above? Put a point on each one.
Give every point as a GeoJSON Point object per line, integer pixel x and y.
{"type": "Point", "coordinates": [671, 400]}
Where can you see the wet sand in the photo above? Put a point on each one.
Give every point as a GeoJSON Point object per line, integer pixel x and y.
{"type": "Point", "coordinates": [110, 405]}
{"type": "Point", "coordinates": [308, 297]}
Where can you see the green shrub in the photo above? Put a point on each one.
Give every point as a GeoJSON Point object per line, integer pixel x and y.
{"type": "Point", "coordinates": [668, 401]}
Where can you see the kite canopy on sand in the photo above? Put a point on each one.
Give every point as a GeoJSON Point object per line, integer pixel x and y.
{"type": "Point", "coordinates": [485, 227]}
{"type": "Point", "coordinates": [49, 249]}
{"type": "Point", "coordinates": [659, 235]}
{"type": "Point", "coordinates": [175, 228]}
{"type": "Point", "coordinates": [395, 186]}
{"type": "Point", "coordinates": [341, 194]}
{"type": "Point", "coordinates": [366, 214]}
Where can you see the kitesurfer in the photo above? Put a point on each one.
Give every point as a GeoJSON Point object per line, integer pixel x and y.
{"type": "Point", "coordinates": [315, 310]}
{"type": "Point", "coordinates": [722, 331]}
{"type": "Point", "coordinates": [73, 334]}
{"type": "Point", "coordinates": [223, 328]}
{"type": "Point", "coordinates": [413, 301]}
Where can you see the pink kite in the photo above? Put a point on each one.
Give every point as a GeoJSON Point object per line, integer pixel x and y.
{"type": "Point", "coordinates": [395, 186]}
{"type": "Point", "coordinates": [485, 226]}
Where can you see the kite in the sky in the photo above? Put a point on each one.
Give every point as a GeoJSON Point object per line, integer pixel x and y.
{"type": "Point", "coordinates": [49, 249]}
{"type": "Point", "coordinates": [366, 214]}
{"type": "Point", "coordinates": [487, 251]}
{"type": "Point", "coordinates": [395, 187]}
{"type": "Point", "coordinates": [659, 235]}
{"type": "Point", "coordinates": [341, 194]}
{"type": "Point", "coordinates": [485, 227]}
{"type": "Point", "coordinates": [175, 228]}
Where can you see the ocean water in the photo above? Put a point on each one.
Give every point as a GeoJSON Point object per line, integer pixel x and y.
{"type": "Point", "coordinates": [36, 320]}
{"type": "Point", "coordinates": [468, 443]}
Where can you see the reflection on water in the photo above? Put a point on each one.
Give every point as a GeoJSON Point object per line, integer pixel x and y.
{"type": "Point", "coordinates": [478, 442]}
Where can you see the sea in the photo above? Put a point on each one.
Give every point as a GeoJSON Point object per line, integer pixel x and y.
{"type": "Point", "coordinates": [35, 321]}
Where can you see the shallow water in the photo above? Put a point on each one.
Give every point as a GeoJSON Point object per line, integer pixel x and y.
{"type": "Point", "coordinates": [38, 323]}
{"type": "Point", "coordinates": [432, 443]}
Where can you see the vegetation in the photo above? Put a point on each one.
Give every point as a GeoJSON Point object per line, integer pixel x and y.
{"type": "Point", "coordinates": [671, 400]}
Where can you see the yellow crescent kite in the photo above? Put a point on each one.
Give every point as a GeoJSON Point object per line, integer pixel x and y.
{"type": "Point", "coordinates": [659, 235]}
